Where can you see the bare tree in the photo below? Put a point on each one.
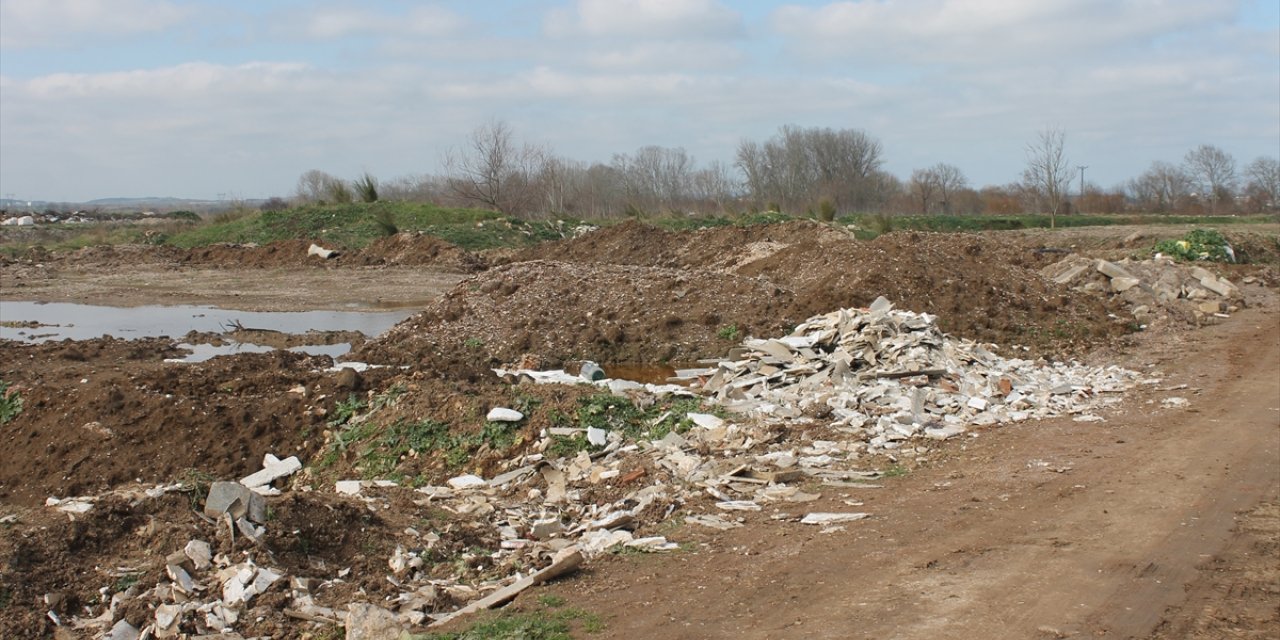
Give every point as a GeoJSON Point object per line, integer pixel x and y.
{"type": "Point", "coordinates": [950, 180]}
{"type": "Point", "coordinates": [494, 171]}
{"type": "Point", "coordinates": [800, 166]}
{"type": "Point", "coordinates": [1264, 182]}
{"type": "Point", "coordinates": [315, 186]}
{"type": "Point", "coordinates": [1048, 172]}
{"type": "Point", "coordinates": [923, 187]}
{"type": "Point", "coordinates": [1163, 188]}
{"type": "Point", "coordinates": [1214, 173]}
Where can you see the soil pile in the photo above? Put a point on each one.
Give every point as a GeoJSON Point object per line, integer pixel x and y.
{"type": "Point", "coordinates": [609, 313]}
{"type": "Point", "coordinates": [100, 413]}
{"type": "Point", "coordinates": [636, 243]}
{"type": "Point", "coordinates": [412, 249]}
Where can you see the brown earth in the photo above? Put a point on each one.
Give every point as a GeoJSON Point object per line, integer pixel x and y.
{"type": "Point", "coordinates": [1157, 523]}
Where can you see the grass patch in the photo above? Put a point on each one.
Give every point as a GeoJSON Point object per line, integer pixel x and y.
{"type": "Point", "coordinates": [895, 471]}
{"type": "Point", "coordinates": [540, 624]}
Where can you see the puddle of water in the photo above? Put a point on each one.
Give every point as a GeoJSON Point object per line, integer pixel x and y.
{"type": "Point", "coordinates": [60, 321]}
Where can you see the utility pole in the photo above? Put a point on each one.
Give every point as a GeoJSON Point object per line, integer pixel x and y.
{"type": "Point", "coordinates": [1081, 167]}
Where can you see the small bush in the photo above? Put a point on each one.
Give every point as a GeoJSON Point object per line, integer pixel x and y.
{"type": "Point", "coordinates": [826, 210]}
{"type": "Point", "coordinates": [367, 188]}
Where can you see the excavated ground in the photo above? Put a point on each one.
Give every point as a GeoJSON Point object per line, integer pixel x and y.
{"type": "Point", "coordinates": [107, 414]}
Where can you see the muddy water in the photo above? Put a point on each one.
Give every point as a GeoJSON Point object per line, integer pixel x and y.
{"type": "Point", "coordinates": [40, 322]}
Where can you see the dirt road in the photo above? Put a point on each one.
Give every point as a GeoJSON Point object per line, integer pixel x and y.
{"type": "Point", "coordinates": [1120, 529]}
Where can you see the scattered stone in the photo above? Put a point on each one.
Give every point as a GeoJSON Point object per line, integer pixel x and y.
{"type": "Point", "coordinates": [467, 481]}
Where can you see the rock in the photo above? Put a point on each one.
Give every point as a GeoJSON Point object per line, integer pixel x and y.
{"type": "Point", "coordinates": [272, 468]}
{"type": "Point", "coordinates": [1132, 239]}
{"type": "Point", "coordinates": [1120, 285]}
{"type": "Point", "coordinates": [503, 414]}
{"type": "Point", "coordinates": [545, 529]}
{"type": "Point", "coordinates": [371, 622]}
{"type": "Point", "coordinates": [1070, 274]}
{"type": "Point", "coordinates": [348, 487]}
{"type": "Point", "coordinates": [317, 250]}
{"type": "Point", "coordinates": [706, 420]}
{"type": "Point", "coordinates": [1219, 286]}
{"type": "Point", "coordinates": [597, 437]}
{"type": "Point", "coordinates": [236, 499]}
{"type": "Point", "coordinates": [1210, 306]}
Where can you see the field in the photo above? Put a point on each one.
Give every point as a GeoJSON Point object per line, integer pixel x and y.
{"type": "Point", "coordinates": [1148, 512]}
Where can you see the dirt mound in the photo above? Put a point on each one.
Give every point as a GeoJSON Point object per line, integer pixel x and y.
{"type": "Point", "coordinates": [609, 313]}
{"type": "Point", "coordinates": [100, 413]}
{"type": "Point", "coordinates": [413, 249]}
{"type": "Point", "coordinates": [636, 243]}
{"type": "Point", "coordinates": [276, 254]}
{"type": "Point", "coordinates": [979, 289]}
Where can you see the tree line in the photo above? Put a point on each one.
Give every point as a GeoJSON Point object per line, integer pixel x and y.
{"type": "Point", "coordinates": [818, 170]}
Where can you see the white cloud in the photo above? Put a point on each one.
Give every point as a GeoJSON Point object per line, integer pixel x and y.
{"type": "Point", "coordinates": [419, 21]}
{"type": "Point", "coordinates": [979, 32]}
{"type": "Point", "coordinates": [650, 19]}
{"type": "Point", "coordinates": [664, 55]}
{"type": "Point", "coordinates": [41, 23]}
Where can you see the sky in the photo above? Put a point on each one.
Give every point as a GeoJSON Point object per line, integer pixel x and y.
{"type": "Point", "coordinates": [236, 99]}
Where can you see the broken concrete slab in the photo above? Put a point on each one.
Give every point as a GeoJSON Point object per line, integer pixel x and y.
{"type": "Point", "coordinates": [236, 499]}
{"type": "Point", "coordinates": [321, 252]}
{"type": "Point", "coordinates": [832, 518]}
{"type": "Point", "coordinates": [564, 562]}
{"type": "Point", "coordinates": [272, 468]}
{"type": "Point", "coordinates": [1112, 270]}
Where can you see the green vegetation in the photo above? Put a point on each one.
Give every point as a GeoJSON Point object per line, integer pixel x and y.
{"type": "Point", "coordinates": [1198, 244]}
{"type": "Point", "coordinates": [367, 188]}
{"type": "Point", "coordinates": [729, 332]}
{"type": "Point", "coordinates": [878, 222]}
{"type": "Point", "coordinates": [615, 413]}
{"type": "Point", "coordinates": [549, 622]}
{"type": "Point", "coordinates": [10, 403]}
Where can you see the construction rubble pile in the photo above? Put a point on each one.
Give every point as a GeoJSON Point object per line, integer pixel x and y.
{"type": "Point", "coordinates": [877, 380]}
{"type": "Point", "coordinates": [1152, 288]}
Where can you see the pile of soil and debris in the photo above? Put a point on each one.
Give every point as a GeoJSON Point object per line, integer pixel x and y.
{"type": "Point", "coordinates": [1156, 290]}
{"type": "Point", "coordinates": [566, 311]}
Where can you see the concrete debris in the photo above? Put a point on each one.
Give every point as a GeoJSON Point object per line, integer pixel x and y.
{"type": "Point", "coordinates": [832, 518]}
{"type": "Point", "coordinates": [1153, 289]}
{"type": "Point", "coordinates": [323, 253]}
{"type": "Point", "coordinates": [502, 414]}
{"type": "Point", "coordinates": [887, 377]}
{"type": "Point", "coordinates": [235, 499]}
{"type": "Point", "coordinates": [272, 469]}
{"type": "Point", "coordinates": [370, 622]}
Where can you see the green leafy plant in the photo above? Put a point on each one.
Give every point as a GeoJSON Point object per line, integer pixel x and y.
{"type": "Point", "coordinates": [728, 332]}
{"type": "Point", "coordinates": [10, 403]}
{"type": "Point", "coordinates": [1198, 244]}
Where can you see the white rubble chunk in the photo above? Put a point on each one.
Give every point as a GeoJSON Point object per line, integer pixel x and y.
{"type": "Point", "coordinates": [503, 414]}
{"type": "Point", "coordinates": [831, 518]}
{"type": "Point", "coordinates": [467, 481]}
{"type": "Point", "coordinates": [272, 468]}
{"type": "Point", "coordinates": [348, 487]}
{"type": "Point", "coordinates": [706, 420]}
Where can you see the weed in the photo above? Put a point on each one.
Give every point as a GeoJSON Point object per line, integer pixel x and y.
{"type": "Point", "coordinates": [551, 600]}
{"type": "Point", "coordinates": [895, 471]}
{"type": "Point", "coordinates": [10, 403]}
{"type": "Point", "coordinates": [125, 581]}
{"type": "Point", "coordinates": [366, 187]}
{"type": "Point", "coordinates": [344, 411]}
{"type": "Point", "coordinates": [533, 625]}
{"type": "Point", "coordinates": [197, 482]}
{"type": "Point", "coordinates": [340, 192]}
{"type": "Point", "coordinates": [728, 332]}
{"type": "Point", "coordinates": [473, 343]}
